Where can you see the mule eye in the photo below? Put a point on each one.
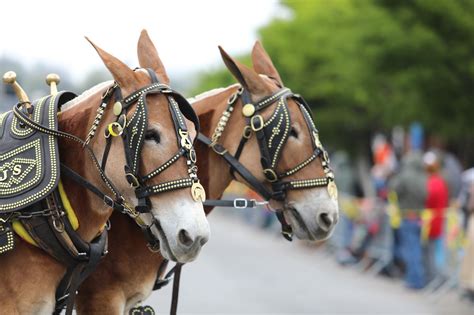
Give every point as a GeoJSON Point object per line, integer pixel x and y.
{"type": "Point", "coordinates": [152, 135]}
{"type": "Point", "coordinates": [293, 133]}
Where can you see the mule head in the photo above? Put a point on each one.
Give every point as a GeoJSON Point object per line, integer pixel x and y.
{"type": "Point", "coordinates": [294, 158]}
{"type": "Point", "coordinates": [157, 146]}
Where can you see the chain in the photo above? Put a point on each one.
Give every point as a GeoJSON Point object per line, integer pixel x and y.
{"type": "Point", "coordinates": [225, 116]}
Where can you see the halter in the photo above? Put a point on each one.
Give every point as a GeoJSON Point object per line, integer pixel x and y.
{"type": "Point", "coordinates": [133, 136]}
{"type": "Point", "coordinates": [271, 138]}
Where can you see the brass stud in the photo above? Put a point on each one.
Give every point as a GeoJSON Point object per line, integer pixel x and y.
{"type": "Point", "coordinates": [248, 110]}
{"type": "Point", "coordinates": [10, 78]}
{"type": "Point", "coordinates": [118, 108]}
{"type": "Point", "coordinates": [53, 80]}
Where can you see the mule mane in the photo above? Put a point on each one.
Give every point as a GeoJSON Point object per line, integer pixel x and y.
{"type": "Point", "coordinates": [210, 93]}
{"type": "Point", "coordinates": [86, 94]}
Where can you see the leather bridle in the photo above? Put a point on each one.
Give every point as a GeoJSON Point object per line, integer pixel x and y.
{"type": "Point", "coordinates": [271, 137]}
{"type": "Point", "coordinates": [133, 136]}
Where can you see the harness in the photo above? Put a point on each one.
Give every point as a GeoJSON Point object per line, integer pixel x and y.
{"type": "Point", "coordinates": [43, 214]}
{"type": "Point", "coordinates": [31, 200]}
{"type": "Point", "coordinates": [271, 138]}
{"type": "Point", "coordinates": [133, 136]}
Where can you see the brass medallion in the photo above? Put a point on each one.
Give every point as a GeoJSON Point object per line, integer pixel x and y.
{"type": "Point", "coordinates": [198, 192]}
{"type": "Point", "coordinates": [117, 108]}
{"type": "Point", "coordinates": [332, 190]}
{"type": "Point", "coordinates": [248, 110]}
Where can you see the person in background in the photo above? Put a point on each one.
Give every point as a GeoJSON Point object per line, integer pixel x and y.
{"type": "Point", "coordinates": [437, 201]}
{"type": "Point", "coordinates": [410, 186]}
{"type": "Point", "coordinates": [384, 164]}
{"type": "Point", "coordinates": [451, 170]}
{"type": "Point", "coordinates": [467, 265]}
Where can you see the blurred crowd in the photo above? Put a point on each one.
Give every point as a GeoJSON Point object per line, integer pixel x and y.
{"type": "Point", "coordinates": [412, 217]}
{"type": "Point", "coordinates": [406, 212]}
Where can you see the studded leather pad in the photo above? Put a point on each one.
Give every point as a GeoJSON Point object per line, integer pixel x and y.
{"type": "Point", "coordinates": [29, 160]}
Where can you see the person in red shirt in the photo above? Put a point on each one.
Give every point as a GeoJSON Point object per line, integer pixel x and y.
{"type": "Point", "coordinates": [436, 202]}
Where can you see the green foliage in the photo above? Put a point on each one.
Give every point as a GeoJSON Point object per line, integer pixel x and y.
{"type": "Point", "coordinates": [367, 65]}
{"type": "Point", "coordinates": [215, 78]}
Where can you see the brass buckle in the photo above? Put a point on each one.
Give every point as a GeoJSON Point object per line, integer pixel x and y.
{"type": "Point", "coordinates": [270, 175]}
{"type": "Point", "coordinates": [132, 180]}
{"type": "Point", "coordinates": [247, 132]}
{"type": "Point", "coordinates": [260, 120]}
{"type": "Point", "coordinates": [232, 99]}
{"type": "Point", "coordinates": [192, 155]}
{"type": "Point", "coordinates": [216, 147]}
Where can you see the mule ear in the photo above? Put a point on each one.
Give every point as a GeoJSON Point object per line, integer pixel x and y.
{"type": "Point", "coordinates": [246, 76]}
{"type": "Point", "coordinates": [263, 64]}
{"type": "Point", "coordinates": [121, 73]}
{"type": "Point", "coordinates": [148, 57]}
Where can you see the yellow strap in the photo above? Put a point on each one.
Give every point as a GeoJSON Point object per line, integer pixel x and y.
{"type": "Point", "coordinates": [21, 232]}
{"type": "Point", "coordinates": [71, 215]}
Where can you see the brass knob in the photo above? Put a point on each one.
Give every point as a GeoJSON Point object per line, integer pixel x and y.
{"type": "Point", "coordinates": [10, 78]}
{"type": "Point", "coordinates": [53, 80]}
{"type": "Point", "coordinates": [248, 110]}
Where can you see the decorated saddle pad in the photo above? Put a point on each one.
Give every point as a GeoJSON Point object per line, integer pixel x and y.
{"type": "Point", "coordinates": [29, 160]}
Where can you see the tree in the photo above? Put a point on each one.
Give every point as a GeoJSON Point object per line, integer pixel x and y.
{"type": "Point", "coordinates": [367, 65]}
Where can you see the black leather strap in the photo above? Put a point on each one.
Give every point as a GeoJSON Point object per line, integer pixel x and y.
{"type": "Point", "coordinates": [238, 203]}
{"type": "Point", "coordinates": [116, 205]}
{"type": "Point", "coordinates": [240, 169]}
{"type": "Point", "coordinates": [76, 274]}
{"type": "Point", "coordinates": [175, 296]}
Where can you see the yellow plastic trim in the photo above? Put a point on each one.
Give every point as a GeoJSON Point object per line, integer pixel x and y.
{"type": "Point", "coordinates": [71, 215]}
{"type": "Point", "coordinates": [112, 131]}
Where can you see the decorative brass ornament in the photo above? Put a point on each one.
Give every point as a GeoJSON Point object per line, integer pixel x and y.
{"type": "Point", "coordinates": [316, 140]}
{"type": "Point", "coordinates": [248, 110]}
{"type": "Point", "coordinates": [332, 190]}
{"type": "Point", "coordinates": [117, 108]}
{"type": "Point", "coordinates": [53, 80]}
{"type": "Point", "coordinates": [185, 142]}
{"type": "Point", "coordinates": [115, 129]}
{"type": "Point", "coordinates": [10, 78]}
{"type": "Point", "coordinates": [198, 192]}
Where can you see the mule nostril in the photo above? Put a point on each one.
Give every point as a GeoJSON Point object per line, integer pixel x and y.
{"type": "Point", "coordinates": [203, 240]}
{"type": "Point", "coordinates": [184, 238]}
{"type": "Point", "coordinates": [325, 221]}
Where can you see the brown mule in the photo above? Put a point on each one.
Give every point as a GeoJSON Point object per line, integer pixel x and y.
{"type": "Point", "coordinates": [29, 276]}
{"type": "Point", "coordinates": [116, 286]}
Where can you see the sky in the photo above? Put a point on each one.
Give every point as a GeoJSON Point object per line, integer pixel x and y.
{"type": "Point", "coordinates": [185, 33]}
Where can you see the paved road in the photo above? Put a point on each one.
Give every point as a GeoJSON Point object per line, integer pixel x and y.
{"type": "Point", "coordinates": [243, 270]}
